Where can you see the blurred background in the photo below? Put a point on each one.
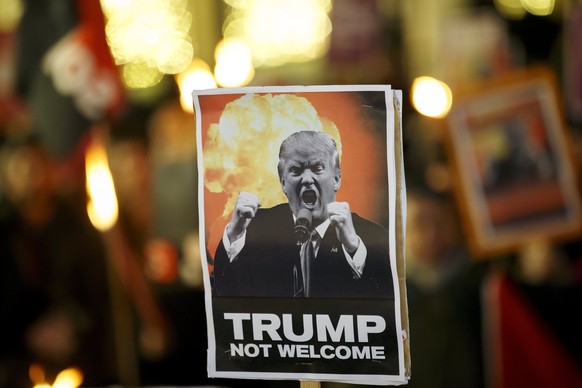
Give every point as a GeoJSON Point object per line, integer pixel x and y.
{"type": "Point", "coordinates": [100, 274]}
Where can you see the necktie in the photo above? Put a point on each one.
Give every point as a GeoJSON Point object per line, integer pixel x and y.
{"type": "Point", "coordinates": [303, 275]}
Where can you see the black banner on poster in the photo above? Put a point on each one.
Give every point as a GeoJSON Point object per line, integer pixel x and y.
{"type": "Point", "coordinates": [306, 335]}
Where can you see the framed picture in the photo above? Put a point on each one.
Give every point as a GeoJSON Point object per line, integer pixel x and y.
{"type": "Point", "coordinates": [572, 63]}
{"type": "Point", "coordinates": [513, 168]}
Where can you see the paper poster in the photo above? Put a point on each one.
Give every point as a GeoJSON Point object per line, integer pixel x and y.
{"type": "Point", "coordinates": [301, 212]}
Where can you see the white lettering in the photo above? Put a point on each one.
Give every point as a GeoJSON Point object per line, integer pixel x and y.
{"type": "Point", "coordinates": [378, 353]}
{"type": "Point", "coordinates": [265, 348]}
{"type": "Point", "coordinates": [369, 324]}
{"type": "Point", "coordinates": [236, 350]}
{"type": "Point", "coordinates": [324, 352]}
{"type": "Point", "coordinates": [328, 352]}
{"type": "Point", "coordinates": [307, 328]}
{"type": "Point", "coordinates": [312, 353]}
{"type": "Point", "coordinates": [237, 326]}
{"type": "Point", "coordinates": [302, 351]}
{"type": "Point", "coordinates": [343, 352]}
{"type": "Point", "coordinates": [266, 323]}
{"type": "Point", "coordinates": [268, 326]}
{"type": "Point", "coordinates": [251, 350]}
{"type": "Point", "coordinates": [361, 353]}
{"type": "Point", "coordinates": [286, 350]}
{"type": "Point", "coordinates": [345, 325]}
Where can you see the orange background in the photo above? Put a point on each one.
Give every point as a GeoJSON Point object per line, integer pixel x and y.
{"type": "Point", "coordinates": [364, 174]}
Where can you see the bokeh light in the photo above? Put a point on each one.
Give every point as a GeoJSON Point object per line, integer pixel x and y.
{"type": "Point", "coordinates": [431, 97]}
{"type": "Point", "coordinates": [196, 77]}
{"type": "Point", "coordinates": [68, 378]}
{"type": "Point", "coordinates": [152, 35]}
{"type": "Point", "coordinates": [11, 13]}
{"type": "Point", "coordinates": [516, 9]}
{"type": "Point", "coordinates": [140, 75]}
{"type": "Point", "coordinates": [233, 63]}
{"type": "Point", "coordinates": [280, 31]}
{"type": "Point", "coordinates": [539, 7]}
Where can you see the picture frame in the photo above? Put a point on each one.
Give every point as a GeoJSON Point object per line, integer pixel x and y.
{"type": "Point", "coordinates": [572, 63]}
{"type": "Point", "coordinates": [513, 171]}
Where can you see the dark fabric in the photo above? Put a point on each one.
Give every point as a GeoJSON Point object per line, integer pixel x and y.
{"type": "Point", "coordinates": [56, 120]}
{"type": "Point", "coordinates": [57, 267]}
{"type": "Point", "coordinates": [265, 265]}
{"type": "Point", "coordinates": [445, 331]}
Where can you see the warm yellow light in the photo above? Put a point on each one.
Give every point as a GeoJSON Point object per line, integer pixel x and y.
{"type": "Point", "coordinates": [109, 7]}
{"type": "Point", "coordinates": [151, 33]}
{"type": "Point", "coordinates": [281, 31]}
{"type": "Point", "coordinates": [11, 13]}
{"type": "Point", "coordinates": [539, 7]}
{"type": "Point", "coordinates": [431, 97]}
{"type": "Point", "coordinates": [233, 63]}
{"type": "Point", "coordinates": [102, 204]}
{"type": "Point", "coordinates": [196, 77]}
{"type": "Point", "coordinates": [140, 76]}
{"type": "Point", "coordinates": [511, 9]}
{"type": "Point", "coordinates": [68, 378]}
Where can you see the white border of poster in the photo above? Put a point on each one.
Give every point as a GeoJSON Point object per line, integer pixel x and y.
{"type": "Point", "coordinates": [351, 339]}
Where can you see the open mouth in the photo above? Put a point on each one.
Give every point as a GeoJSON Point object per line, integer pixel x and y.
{"type": "Point", "coordinates": [309, 197]}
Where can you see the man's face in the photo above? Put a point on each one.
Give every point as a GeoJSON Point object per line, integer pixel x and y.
{"type": "Point", "coordinates": [310, 181]}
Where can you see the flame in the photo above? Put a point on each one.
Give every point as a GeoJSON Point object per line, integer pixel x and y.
{"type": "Point", "coordinates": [102, 203]}
{"type": "Point", "coordinates": [68, 378]}
{"type": "Point", "coordinates": [233, 159]}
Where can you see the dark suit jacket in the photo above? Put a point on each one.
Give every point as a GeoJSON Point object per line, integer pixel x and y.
{"type": "Point", "coordinates": [265, 265]}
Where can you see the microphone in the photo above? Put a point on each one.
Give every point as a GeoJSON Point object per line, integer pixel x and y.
{"type": "Point", "coordinates": [303, 225]}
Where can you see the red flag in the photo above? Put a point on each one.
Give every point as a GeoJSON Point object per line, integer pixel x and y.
{"type": "Point", "coordinates": [81, 66]}
{"type": "Point", "coordinates": [522, 350]}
